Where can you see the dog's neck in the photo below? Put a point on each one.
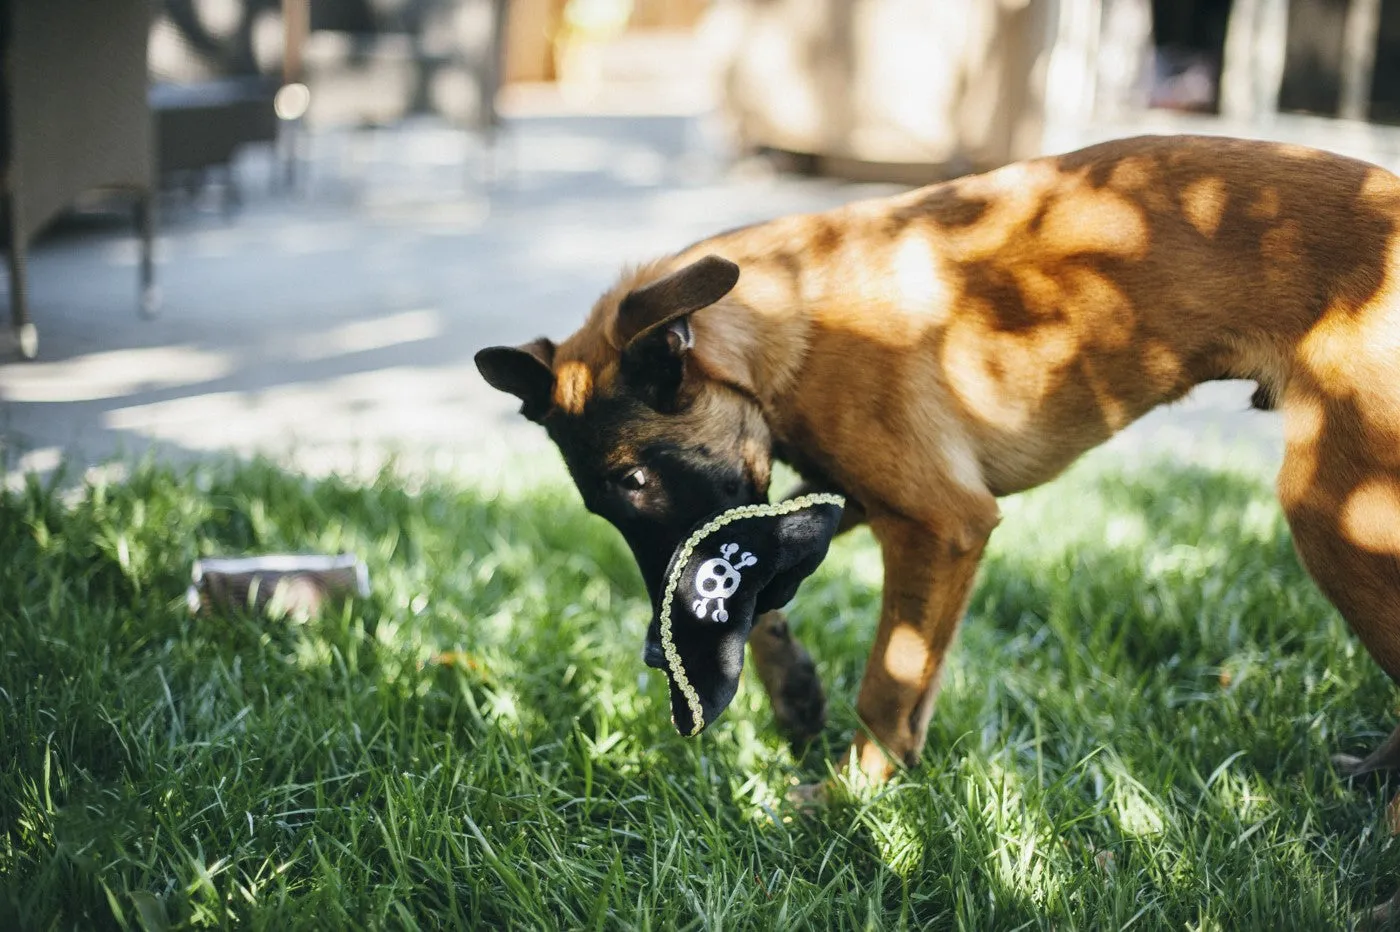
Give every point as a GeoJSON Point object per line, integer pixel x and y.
{"type": "Point", "coordinates": [821, 304]}
{"type": "Point", "coordinates": [756, 338]}
{"type": "Point", "coordinates": [754, 346]}
{"type": "Point", "coordinates": [756, 341]}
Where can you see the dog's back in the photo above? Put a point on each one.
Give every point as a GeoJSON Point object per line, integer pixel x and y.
{"type": "Point", "coordinates": [1057, 300]}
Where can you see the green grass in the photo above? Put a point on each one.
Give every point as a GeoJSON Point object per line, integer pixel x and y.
{"type": "Point", "coordinates": [1134, 729]}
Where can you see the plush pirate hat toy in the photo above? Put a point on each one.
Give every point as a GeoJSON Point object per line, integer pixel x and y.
{"type": "Point", "coordinates": [730, 569]}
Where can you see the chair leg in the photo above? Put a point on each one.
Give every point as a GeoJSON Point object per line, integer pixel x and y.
{"type": "Point", "coordinates": [26, 333]}
{"type": "Point", "coordinates": [287, 152]}
{"type": "Point", "coordinates": [145, 230]}
{"type": "Point", "coordinates": [233, 195]}
{"type": "Point", "coordinates": [490, 152]}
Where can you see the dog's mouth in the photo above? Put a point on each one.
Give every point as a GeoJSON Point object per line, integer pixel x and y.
{"type": "Point", "coordinates": [683, 716]}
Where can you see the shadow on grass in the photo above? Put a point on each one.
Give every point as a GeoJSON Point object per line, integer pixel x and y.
{"type": "Point", "coordinates": [1136, 721]}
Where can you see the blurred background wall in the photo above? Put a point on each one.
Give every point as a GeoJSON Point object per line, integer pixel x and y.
{"type": "Point", "coordinates": [915, 89]}
{"type": "Point", "coordinates": [899, 89]}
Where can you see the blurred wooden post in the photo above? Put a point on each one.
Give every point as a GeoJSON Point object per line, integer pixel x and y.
{"type": "Point", "coordinates": [1125, 53]}
{"type": "Point", "coordinates": [296, 20]}
{"type": "Point", "coordinates": [530, 29]}
{"type": "Point", "coordinates": [1071, 78]}
{"type": "Point", "coordinates": [296, 25]}
{"type": "Point", "coordinates": [1359, 58]}
{"type": "Point", "coordinates": [1256, 41]}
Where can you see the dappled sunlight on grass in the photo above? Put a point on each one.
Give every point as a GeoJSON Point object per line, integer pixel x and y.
{"type": "Point", "coordinates": [1019, 833]}
{"type": "Point", "coordinates": [1135, 724]}
{"type": "Point", "coordinates": [1136, 812]}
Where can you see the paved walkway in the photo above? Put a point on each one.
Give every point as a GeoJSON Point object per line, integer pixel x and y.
{"type": "Point", "coordinates": [337, 327]}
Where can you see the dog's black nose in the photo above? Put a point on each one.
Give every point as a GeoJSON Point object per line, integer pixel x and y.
{"type": "Point", "coordinates": [654, 656]}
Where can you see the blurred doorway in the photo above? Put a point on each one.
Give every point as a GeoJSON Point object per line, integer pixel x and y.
{"type": "Point", "coordinates": [1188, 50]}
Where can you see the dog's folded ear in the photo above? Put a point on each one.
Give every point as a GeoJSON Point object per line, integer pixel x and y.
{"type": "Point", "coordinates": [524, 371]}
{"type": "Point", "coordinates": [683, 292]}
{"type": "Point", "coordinates": [730, 569]}
{"type": "Point", "coordinates": [653, 324]}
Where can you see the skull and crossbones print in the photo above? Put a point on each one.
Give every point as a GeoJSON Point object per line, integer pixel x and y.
{"type": "Point", "coordinates": [717, 579]}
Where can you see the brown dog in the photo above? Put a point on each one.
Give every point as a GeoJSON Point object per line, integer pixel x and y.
{"type": "Point", "coordinates": [928, 352]}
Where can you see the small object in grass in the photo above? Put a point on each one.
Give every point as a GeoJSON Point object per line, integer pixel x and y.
{"type": "Point", "coordinates": [455, 658]}
{"type": "Point", "coordinates": [296, 585]}
{"type": "Point", "coordinates": [730, 569]}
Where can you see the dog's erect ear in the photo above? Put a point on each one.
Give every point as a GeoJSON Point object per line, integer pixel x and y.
{"type": "Point", "coordinates": [654, 322]}
{"type": "Point", "coordinates": [524, 371]}
{"type": "Point", "coordinates": [683, 292]}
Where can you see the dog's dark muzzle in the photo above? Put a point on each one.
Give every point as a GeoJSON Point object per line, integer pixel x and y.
{"type": "Point", "coordinates": [653, 656]}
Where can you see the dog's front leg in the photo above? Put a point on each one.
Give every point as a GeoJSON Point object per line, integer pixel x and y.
{"type": "Point", "coordinates": [929, 571]}
{"type": "Point", "coordinates": [789, 678]}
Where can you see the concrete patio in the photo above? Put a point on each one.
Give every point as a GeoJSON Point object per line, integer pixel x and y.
{"type": "Point", "coordinates": [335, 328]}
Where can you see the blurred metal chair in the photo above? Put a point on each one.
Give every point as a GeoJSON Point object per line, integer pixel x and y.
{"type": "Point", "coordinates": [373, 62]}
{"type": "Point", "coordinates": [73, 118]}
{"type": "Point", "coordinates": [213, 85]}
{"type": "Point", "coordinates": [216, 83]}
{"type": "Point", "coordinates": [376, 61]}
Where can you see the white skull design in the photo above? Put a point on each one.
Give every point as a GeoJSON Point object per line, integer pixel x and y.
{"type": "Point", "coordinates": [718, 579]}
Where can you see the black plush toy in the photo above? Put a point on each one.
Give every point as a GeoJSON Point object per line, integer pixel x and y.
{"type": "Point", "coordinates": [732, 568]}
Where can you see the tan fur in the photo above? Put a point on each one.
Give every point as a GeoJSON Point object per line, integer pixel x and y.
{"type": "Point", "coordinates": [929, 352]}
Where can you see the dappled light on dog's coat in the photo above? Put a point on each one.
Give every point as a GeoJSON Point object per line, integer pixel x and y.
{"type": "Point", "coordinates": [1371, 516]}
{"type": "Point", "coordinates": [927, 353]}
{"type": "Point", "coordinates": [906, 654]}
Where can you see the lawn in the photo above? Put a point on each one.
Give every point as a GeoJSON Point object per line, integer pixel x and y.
{"type": "Point", "coordinates": [1134, 730]}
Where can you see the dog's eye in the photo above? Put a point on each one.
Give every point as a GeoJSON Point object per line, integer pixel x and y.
{"type": "Point", "coordinates": [634, 480]}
